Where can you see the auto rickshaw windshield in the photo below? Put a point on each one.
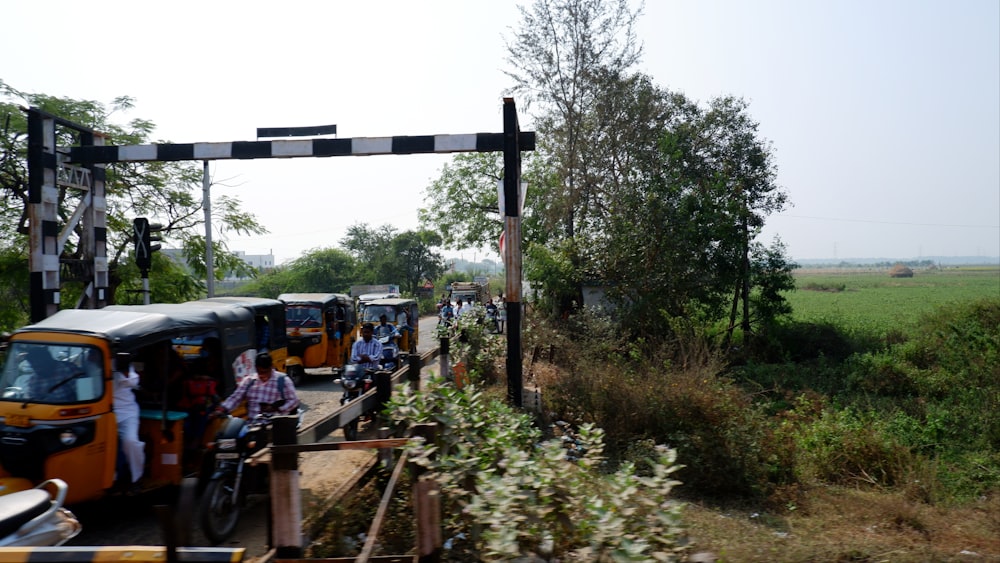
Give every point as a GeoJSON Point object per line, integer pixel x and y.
{"type": "Point", "coordinates": [303, 317]}
{"type": "Point", "coordinates": [374, 312]}
{"type": "Point", "coordinates": [52, 373]}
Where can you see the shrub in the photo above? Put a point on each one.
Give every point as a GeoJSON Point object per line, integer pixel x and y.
{"type": "Point", "coordinates": [506, 493]}
{"type": "Point", "coordinates": [845, 447]}
{"type": "Point", "coordinates": [724, 439]}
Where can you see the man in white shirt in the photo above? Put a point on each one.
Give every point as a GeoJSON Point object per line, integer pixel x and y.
{"type": "Point", "coordinates": [126, 409]}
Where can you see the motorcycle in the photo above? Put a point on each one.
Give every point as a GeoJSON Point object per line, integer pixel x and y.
{"type": "Point", "coordinates": [232, 479]}
{"type": "Point", "coordinates": [356, 381]}
{"type": "Point", "coordinates": [37, 517]}
{"type": "Point", "coordinates": [390, 353]}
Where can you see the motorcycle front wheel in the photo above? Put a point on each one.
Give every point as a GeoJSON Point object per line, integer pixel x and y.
{"type": "Point", "coordinates": [220, 508]}
{"type": "Point", "coordinates": [351, 430]}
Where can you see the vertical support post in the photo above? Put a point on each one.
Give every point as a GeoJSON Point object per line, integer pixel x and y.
{"type": "Point", "coordinates": [427, 503]}
{"type": "Point", "coordinates": [512, 249]}
{"type": "Point", "coordinates": [145, 287]}
{"type": "Point", "coordinates": [206, 204]}
{"type": "Point", "coordinates": [43, 200]}
{"type": "Point", "coordinates": [94, 232]}
{"type": "Point", "coordinates": [444, 363]}
{"type": "Point", "coordinates": [383, 390]}
{"type": "Point", "coordinates": [413, 375]}
{"type": "Point", "coordinates": [286, 500]}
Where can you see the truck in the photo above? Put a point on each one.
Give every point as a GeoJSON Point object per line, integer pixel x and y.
{"type": "Point", "coordinates": [470, 291]}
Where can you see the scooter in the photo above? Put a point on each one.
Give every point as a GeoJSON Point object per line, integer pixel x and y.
{"type": "Point", "coordinates": [356, 381]}
{"type": "Point", "coordinates": [36, 517]}
{"type": "Point", "coordinates": [390, 353]}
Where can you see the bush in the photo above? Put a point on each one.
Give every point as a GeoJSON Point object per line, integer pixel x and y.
{"type": "Point", "coordinates": [725, 441]}
{"type": "Point", "coordinates": [506, 493]}
{"type": "Point", "coordinates": [844, 447]}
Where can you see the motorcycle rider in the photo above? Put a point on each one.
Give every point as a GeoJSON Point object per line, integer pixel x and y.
{"type": "Point", "coordinates": [269, 391]}
{"type": "Point", "coordinates": [386, 329]}
{"type": "Point", "coordinates": [367, 350]}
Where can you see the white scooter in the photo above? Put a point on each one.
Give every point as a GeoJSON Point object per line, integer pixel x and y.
{"type": "Point", "coordinates": [37, 518]}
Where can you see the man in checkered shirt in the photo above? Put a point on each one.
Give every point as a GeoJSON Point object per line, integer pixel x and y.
{"type": "Point", "coordinates": [367, 350]}
{"type": "Point", "coordinates": [261, 391]}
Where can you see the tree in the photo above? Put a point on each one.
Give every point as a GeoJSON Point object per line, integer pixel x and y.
{"type": "Point", "coordinates": [464, 210]}
{"type": "Point", "coordinates": [416, 260]}
{"type": "Point", "coordinates": [556, 59]}
{"type": "Point", "coordinates": [463, 201]}
{"type": "Point", "coordinates": [371, 248]}
{"type": "Point", "coordinates": [163, 191]}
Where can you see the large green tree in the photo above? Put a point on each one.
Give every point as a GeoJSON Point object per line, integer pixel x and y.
{"type": "Point", "coordinates": [166, 192]}
{"type": "Point", "coordinates": [416, 259]}
{"type": "Point", "coordinates": [556, 59]}
{"type": "Point", "coordinates": [385, 255]}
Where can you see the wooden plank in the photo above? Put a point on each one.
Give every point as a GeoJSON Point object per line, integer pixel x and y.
{"type": "Point", "coordinates": [383, 507]}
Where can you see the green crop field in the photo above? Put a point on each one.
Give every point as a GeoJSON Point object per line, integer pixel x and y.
{"type": "Point", "coordinates": [872, 302]}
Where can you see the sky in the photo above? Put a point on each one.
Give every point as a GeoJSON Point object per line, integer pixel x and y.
{"type": "Point", "coordinates": [883, 115]}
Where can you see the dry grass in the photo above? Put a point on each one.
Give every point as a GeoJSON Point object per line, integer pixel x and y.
{"type": "Point", "coordinates": [842, 525]}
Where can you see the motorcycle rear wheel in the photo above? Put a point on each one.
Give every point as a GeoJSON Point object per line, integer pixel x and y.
{"type": "Point", "coordinates": [219, 512]}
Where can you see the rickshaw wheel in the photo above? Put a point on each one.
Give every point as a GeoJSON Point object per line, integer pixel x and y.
{"type": "Point", "coordinates": [297, 373]}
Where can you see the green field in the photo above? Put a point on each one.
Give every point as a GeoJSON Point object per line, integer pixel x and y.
{"type": "Point", "coordinates": [873, 302]}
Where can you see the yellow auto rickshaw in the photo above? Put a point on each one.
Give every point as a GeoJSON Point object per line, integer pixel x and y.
{"type": "Point", "coordinates": [402, 312]}
{"type": "Point", "coordinates": [320, 331]}
{"type": "Point", "coordinates": [56, 417]}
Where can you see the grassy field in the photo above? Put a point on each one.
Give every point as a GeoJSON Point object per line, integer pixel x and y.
{"type": "Point", "coordinates": [870, 300]}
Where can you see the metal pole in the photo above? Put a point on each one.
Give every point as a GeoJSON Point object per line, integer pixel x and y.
{"type": "Point", "coordinates": [145, 287]}
{"type": "Point", "coordinates": [206, 204]}
{"type": "Point", "coordinates": [512, 249]}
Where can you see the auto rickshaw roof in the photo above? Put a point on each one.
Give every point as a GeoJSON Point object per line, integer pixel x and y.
{"type": "Point", "coordinates": [393, 301]}
{"type": "Point", "coordinates": [239, 301]}
{"type": "Point", "coordinates": [314, 298]}
{"type": "Point", "coordinates": [134, 326]}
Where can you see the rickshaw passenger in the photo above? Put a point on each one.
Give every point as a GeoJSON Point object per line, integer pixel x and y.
{"type": "Point", "coordinates": [126, 409]}
{"type": "Point", "coordinates": [200, 397]}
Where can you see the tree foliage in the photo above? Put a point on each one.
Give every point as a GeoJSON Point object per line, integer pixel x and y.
{"type": "Point", "coordinates": [633, 186]}
{"type": "Point", "coordinates": [385, 255]}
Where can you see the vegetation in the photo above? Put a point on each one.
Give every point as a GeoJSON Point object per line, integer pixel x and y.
{"type": "Point", "coordinates": [632, 186]}
{"type": "Point", "coordinates": [841, 426]}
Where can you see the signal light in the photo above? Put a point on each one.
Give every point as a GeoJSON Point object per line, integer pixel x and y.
{"type": "Point", "coordinates": [145, 234]}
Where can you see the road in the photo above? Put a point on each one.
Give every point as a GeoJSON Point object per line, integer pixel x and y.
{"type": "Point", "coordinates": [134, 521]}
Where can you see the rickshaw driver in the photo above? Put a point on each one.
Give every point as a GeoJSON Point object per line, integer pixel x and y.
{"type": "Point", "coordinates": [268, 391]}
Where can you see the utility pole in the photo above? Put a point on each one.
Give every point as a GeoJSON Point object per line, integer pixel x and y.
{"type": "Point", "coordinates": [206, 204]}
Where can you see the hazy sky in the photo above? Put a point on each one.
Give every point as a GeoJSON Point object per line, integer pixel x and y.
{"type": "Point", "coordinates": [884, 116]}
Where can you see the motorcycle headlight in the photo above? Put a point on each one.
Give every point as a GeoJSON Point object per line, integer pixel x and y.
{"type": "Point", "coordinates": [227, 443]}
{"type": "Point", "coordinates": [350, 383]}
{"type": "Point", "coordinates": [67, 437]}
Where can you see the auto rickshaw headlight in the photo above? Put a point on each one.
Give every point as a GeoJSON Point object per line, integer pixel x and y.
{"type": "Point", "coordinates": [67, 437]}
